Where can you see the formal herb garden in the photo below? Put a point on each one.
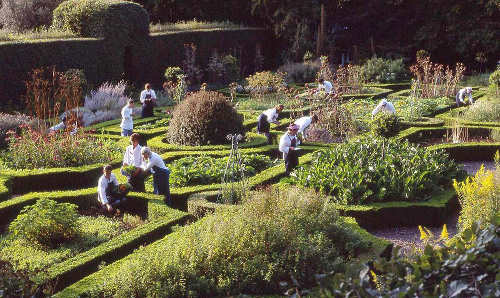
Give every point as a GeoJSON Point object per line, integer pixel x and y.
{"type": "Point", "coordinates": [396, 191]}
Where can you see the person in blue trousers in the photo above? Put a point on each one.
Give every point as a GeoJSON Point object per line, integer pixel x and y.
{"type": "Point", "coordinates": [152, 162]}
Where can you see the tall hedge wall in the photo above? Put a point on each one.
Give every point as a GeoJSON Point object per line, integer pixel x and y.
{"type": "Point", "coordinates": [138, 63]}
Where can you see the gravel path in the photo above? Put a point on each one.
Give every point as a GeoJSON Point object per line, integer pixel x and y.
{"type": "Point", "coordinates": [408, 238]}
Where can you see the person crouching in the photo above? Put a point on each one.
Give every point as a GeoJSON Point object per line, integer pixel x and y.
{"type": "Point", "coordinates": [106, 194]}
{"type": "Point", "coordinates": [266, 118]}
{"type": "Point", "coordinates": [152, 162]}
{"type": "Point", "coordinates": [288, 146]}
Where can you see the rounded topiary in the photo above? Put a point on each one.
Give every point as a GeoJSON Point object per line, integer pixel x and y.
{"type": "Point", "coordinates": [114, 19]}
{"type": "Point", "coordinates": [204, 118]}
{"type": "Point", "coordinates": [386, 125]}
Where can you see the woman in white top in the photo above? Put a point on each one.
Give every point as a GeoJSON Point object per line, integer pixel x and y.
{"type": "Point", "coordinates": [288, 146]}
{"type": "Point", "coordinates": [384, 106]}
{"type": "Point", "coordinates": [133, 157]}
{"type": "Point", "coordinates": [303, 123]}
{"type": "Point", "coordinates": [127, 123]}
{"type": "Point", "coordinates": [460, 97]}
{"type": "Point", "coordinates": [148, 96]}
{"type": "Point", "coordinates": [266, 118]}
{"type": "Point", "coordinates": [152, 162]}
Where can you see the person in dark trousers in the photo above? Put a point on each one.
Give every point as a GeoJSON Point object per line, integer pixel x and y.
{"type": "Point", "coordinates": [288, 146]}
{"type": "Point", "coordinates": [107, 195]}
{"type": "Point", "coordinates": [133, 157]}
{"type": "Point", "coordinates": [152, 162]}
{"type": "Point", "coordinates": [148, 98]}
{"type": "Point", "coordinates": [266, 118]}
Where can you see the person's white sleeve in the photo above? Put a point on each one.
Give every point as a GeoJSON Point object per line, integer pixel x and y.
{"type": "Point", "coordinates": [273, 116]}
{"type": "Point", "coordinates": [147, 166]}
{"type": "Point", "coordinates": [126, 157]}
{"type": "Point", "coordinates": [114, 180]}
{"type": "Point", "coordinates": [391, 107]}
{"type": "Point", "coordinates": [297, 141]}
{"type": "Point", "coordinates": [101, 188]}
{"type": "Point", "coordinates": [284, 144]}
{"type": "Point", "coordinates": [153, 94]}
{"type": "Point", "coordinates": [377, 109]}
{"type": "Point", "coordinates": [143, 96]}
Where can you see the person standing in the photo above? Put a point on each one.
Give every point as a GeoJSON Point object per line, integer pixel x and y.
{"type": "Point", "coordinates": [106, 195]}
{"type": "Point", "coordinates": [152, 162]}
{"type": "Point", "coordinates": [384, 106]}
{"type": "Point", "coordinates": [133, 157]}
{"type": "Point", "coordinates": [288, 146]}
{"type": "Point", "coordinates": [148, 96]}
{"type": "Point", "coordinates": [127, 123]}
{"type": "Point", "coordinates": [303, 123]}
{"type": "Point", "coordinates": [460, 97]}
{"type": "Point", "coordinates": [266, 118]}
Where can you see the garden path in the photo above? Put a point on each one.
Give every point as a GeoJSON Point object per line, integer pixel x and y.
{"type": "Point", "coordinates": [408, 238]}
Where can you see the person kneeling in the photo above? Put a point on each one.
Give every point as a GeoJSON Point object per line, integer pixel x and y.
{"type": "Point", "coordinates": [152, 162]}
{"type": "Point", "coordinates": [108, 193]}
{"type": "Point", "coordinates": [288, 146]}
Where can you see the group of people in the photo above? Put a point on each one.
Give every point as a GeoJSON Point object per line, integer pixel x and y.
{"type": "Point", "coordinates": [148, 101]}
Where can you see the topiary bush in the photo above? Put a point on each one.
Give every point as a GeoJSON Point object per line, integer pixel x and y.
{"type": "Point", "coordinates": [495, 81]}
{"type": "Point", "coordinates": [384, 70]}
{"type": "Point", "coordinates": [46, 222]}
{"type": "Point", "coordinates": [121, 20]}
{"type": "Point", "coordinates": [204, 118]}
{"type": "Point", "coordinates": [385, 125]}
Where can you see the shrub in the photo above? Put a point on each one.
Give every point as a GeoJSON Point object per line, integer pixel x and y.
{"type": "Point", "coordinates": [467, 269]}
{"type": "Point", "coordinates": [265, 82]}
{"type": "Point", "coordinates": [349, 79]}
{"type": "Point", "coordinates": [384, 70]}
{"type": "Point", "coordinates": [172, 72]}
{"type": "Point", "coordinates": [12, 122]}
{"type": "Point", "coordinates": [119, 20]}
{"type": "Point", "coordinates": [337, 120]}
{"type": "Point", "coordinates": [300, 72]}
{"type": "Point", "coordinates": [22, 15]}
{"type": "Point", "coordinates": [483, 110]}
{"type": "Point", "coordinates": [275, 237]}
{"type": "Point", "coordinates": [195, 170]}
{"type": "Point", "coordinates": [105, 103]}
{"type": "Point", "coordinates": [411, 109]}
{"type": "Point", "coordinates": [46, 222]}
{"type": "Point", "coordinates": [479, 198]}
{"type": "Point", "coordinates": [375, 169]}
{"type": "Point", "coordinates": [385, 125]}
{"type": "Point", "coordinates": [231, 68]}
{"type": "Point", "coordinates": [495, 81]}
{"type": "Point", "coordinates": [204, 117]}
{"type": "Point", "coordinates": [33, 150]}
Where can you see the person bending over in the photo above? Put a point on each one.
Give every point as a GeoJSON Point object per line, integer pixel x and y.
{"type": "Point", "coordinates": [152, 162]}
{"type": "Point", "coordinates": [384, 106]}
{"type": "Point", "coordinates": [132, 162]}
{"type": "Point", "coordinates": [460, 97]}
{"type": "Point", "coordinates": [288, 146]}
{"type": "Point", "coordinates": [107, 190]}
{"type": "Point", "coordinates": [303, 123]}
{"type": "Point", "coordinates": [266, 118]}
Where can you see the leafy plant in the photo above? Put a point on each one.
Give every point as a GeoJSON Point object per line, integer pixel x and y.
{"type": "Point", "coordinates": [12, 122]}
{"type": "Point", "coordinates": [46, 222]}
{"type": "Point", "coordinates": [375, 170]}
{"type": "Point", "coordinates": [385, 125]}
{"type": "Point", "coordinates": [495, 81]}
{"type": "Point", "coordinates": [384, 70]}
{"type": "Point", "coordinates": [158, 123]}
{"type": "Point", "coordinates": [172, 72]}
{"type": "Point", "coordinates": [300, 72]}
{"type": "Point", "coordinates": [194, 170]}
{"type": "Point", "coordinates": [265, 82]}
{"type": "Point", "coordinates": [483, 111]}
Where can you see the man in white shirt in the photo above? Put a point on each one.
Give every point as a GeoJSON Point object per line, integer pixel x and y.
{"type": "Point", "coordinates": [127, 123]}
{"type": "Point", "coordinates": [152, 162]}
{"type": "Point", "coordinates": [327, 86]}
{"type": "Point", "coordinates": [148, 97]}
{"type": "Point", "coordinates": [62, 127]}
{"type": "Point", "coordinates": [133, 157]}
{"type": "Point", "coordinates": [384, 106]}
{"type": "Point", "coordinates": [288, 146]}
{"type": "Point", "coordinates": [303, 123]}
{"type": "Point", "coordinates": [460, 97]}
{"type": "Point", "coordinates": [106, 197]}
{"type": "Point", "coordinates": [266, 118]}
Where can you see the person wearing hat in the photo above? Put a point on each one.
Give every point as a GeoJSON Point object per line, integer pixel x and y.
{"type": "Point", "coordinates": [148, 96]}
{"type": "Point", "coordinates": [288, 146]}
{"type": "Point", "coordinates": [266, 118]}
{"type": "Point", "coordinates": [152, 162]}
{"type": "Point", "coordinates": [460, 97]}
{"type": "Point", "coordinates": [127, 123]}
{"type": "Point", "coordinates": [384, 106]}
{"type": "Point", "coordinates": [303, 123]}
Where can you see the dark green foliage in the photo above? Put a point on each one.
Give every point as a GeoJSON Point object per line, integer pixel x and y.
{"type": "Point", "coordinates": [231, 68]}
{"type": "Point", "coordinates": [468, 268]}
{"type": "Point", "coordinates": [46, 222]}
{"type": "Point", "coordinates": [384, 70]}
{"type": "Point", "coordinates": [197, 170]}
{"type": "Point", "coordinates": [385, 125]}
{"type": "Point", "coordinates": [122, 20]}
{"type": "Point", "coordinates": [375, 170]}
{"type": "Point", "coordinates": [204, 118]}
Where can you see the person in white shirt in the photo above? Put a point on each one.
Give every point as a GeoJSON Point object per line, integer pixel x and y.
{"type": "Point", "coordinates": [460, 97]}
{"type": "Point", "coordinates": [266, 118]}
{"type": "Point", "coordinates": [288, 146]}
{"type": "Point", "coordinates": [148, 97]}
{"type": "Point", "coordinates": [303, 123]}
{"type": "Point", "coordinates": [327, 86]}
{"type": "Point", "coordinates": [62, 126]}
{"type": "Point", "coordinates": [105, 195]}
{"type": "Point", "coordinates": [127, 123]}
{"type": "Point", "coordinates": [133, 157]}
{"type": "Point", "coordinates": [384, 106]}
{"type": "Point", "coordinates": [152, 162]}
